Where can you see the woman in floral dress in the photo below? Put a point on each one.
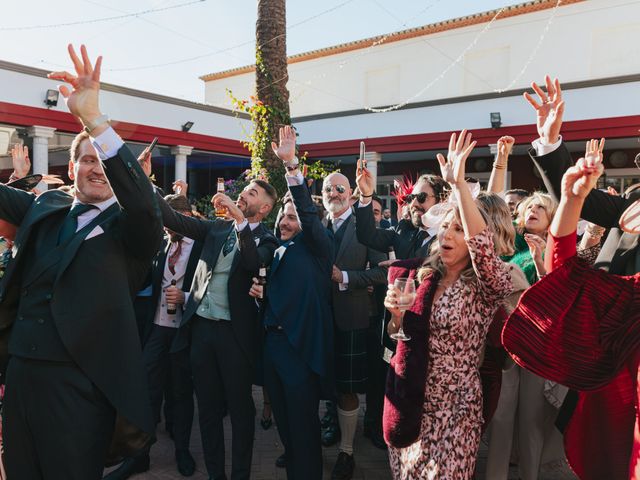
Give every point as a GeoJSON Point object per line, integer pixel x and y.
{"type": "Point", "coordinates": [434, 382]}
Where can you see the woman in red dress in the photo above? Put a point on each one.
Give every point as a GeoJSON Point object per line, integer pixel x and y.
{"type": "Point", "coordinates": [581, 327]}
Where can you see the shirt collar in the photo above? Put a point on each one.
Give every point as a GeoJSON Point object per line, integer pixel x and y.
{"type": "Point", "coordinates": [102, 206]}
{"type": "Point", "coordinates": [431, 231]}
{"type": "Point", "coordinates": [253, 226]}
{"type": "Point", "coordinates": [343, 217]}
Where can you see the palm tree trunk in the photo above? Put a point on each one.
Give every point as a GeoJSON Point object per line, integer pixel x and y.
{"type": "Point", "coordinates": [271, 88]}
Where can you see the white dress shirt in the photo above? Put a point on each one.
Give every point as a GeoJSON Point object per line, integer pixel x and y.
{"type": "Point", "coordinates": [162, 318]}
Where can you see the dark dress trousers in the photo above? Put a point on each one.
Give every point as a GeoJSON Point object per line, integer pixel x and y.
{"type": "Point", "coordinates": [67, 315]}
{"type": "Point", "coordinates": [620, 253]}
{"type": "Point", "coordinates": [170, 373]}
{"type": "Point", "coordinates": [223, 353]}
{"type": "Point", "coordinates": [298, 359]}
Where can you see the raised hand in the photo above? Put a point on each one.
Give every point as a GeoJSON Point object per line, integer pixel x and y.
{"type": "Point", "coordinates": [286, 149]}
{"type": "Point", "coordinates": [20, 160]}
{"type": "Point", "coordinates": [364, 179]}
{"type": "Point", "coordinates": [82, 100]}
{"type": "Point", "coordinates": [180, 187]}
{"type": "Point", "coordinates": [220, 200]}
{"type": "Point", "coordinates": [453, 167]}
{"type": "Point", "coordinates": [505, 145]}
{"type": "Point", "coordinates": [537, 246]}
{"type": "Point", "coordinates": [145, 161]}
{"type": "Point", "coordinates": [549, 111]}
{"type": "Point", "coordinates": [580, 179]}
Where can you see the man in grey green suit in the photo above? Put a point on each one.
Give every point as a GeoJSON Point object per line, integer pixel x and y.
{"type": "Point", "coordinates": [75, 368]}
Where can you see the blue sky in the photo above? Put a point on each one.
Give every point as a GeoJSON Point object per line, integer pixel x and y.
{"type": "Point", "coordinates": [166, 51]}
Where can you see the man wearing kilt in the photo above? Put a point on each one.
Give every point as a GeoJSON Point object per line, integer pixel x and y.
{"type": "Point", "coordinates": [355, 268]}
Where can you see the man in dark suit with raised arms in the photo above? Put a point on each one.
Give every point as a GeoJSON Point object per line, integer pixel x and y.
{"type": "Point", "coordinates": [298, 350]}
{"type": "Point", "coordinates": [66, 311]}
{"type": "Point", "coordinates": [220, 320]}
{"type": "Point", "coordinates": [620, 253]}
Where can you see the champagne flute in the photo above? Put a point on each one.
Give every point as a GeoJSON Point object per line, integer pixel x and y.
{"type": "Point", "coordinates": [407, 295]}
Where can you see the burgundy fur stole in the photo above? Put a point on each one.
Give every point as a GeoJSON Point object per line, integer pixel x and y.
{"type": "Point", "coordinates": [406, 381]}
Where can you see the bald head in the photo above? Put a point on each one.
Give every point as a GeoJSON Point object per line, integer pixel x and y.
{"type": "Point", "coordinates": [336, 193]}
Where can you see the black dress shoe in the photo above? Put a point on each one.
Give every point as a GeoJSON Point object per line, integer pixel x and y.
{"type": "Point", "coordinates": [129, 467]}
{"type": "Point", "coordinates": [343, 469]}
{"type": "Point", "coordinates": [281, 461]}
{"type": "Point", "coordinates": [331, 435]}
{"type": "Point", "coordinates": [185, 462]}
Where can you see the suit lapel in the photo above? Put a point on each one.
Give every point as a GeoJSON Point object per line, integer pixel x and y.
{"type": "Point", "coordinates": [279, 253]}
{"type": "Point", "coordinates": [40, 210]}
{"type": "Point", "coordinates": [218, 242]}
{"type": "Point", "coordinates": [349, 233]}
{"type": "Point", "coordinates": [76, 241]}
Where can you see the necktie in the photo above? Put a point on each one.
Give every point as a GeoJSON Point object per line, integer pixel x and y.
{"type": "Point", "coordinates": [70, 224]}
{"type": "Point", "coordinates": [229, 243]}
{"type": "Point", "coordinates": [173, 258]}
{"type": "Point", "coordinates": [418, 239]}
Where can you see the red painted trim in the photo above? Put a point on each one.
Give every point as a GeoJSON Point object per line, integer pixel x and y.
{"type": "Point", "coordinates": [613, 127]}
{"type": "Point", "coordinates": [14, 114]}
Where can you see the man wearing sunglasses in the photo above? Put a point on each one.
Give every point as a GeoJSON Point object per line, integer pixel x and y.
{"type": "Point", "coordinates": [409, 239]}
{"type": "Point", "coordinates": [350, 303]}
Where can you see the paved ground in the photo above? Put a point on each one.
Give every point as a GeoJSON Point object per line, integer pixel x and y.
{"type": "Point", "coordinates": [371, 463]}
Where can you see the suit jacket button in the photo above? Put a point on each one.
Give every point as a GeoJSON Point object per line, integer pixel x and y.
{"type": "Point", "coordinates": [20, 317]}
{"type": "Point", "coordinates": [24, 292]}
{"type": "Point", "coordinates": [41, 321]}
{"type": "Point", "coordinates": [33, 348]}
{"type": "Point", "coordinates": [48, 296]}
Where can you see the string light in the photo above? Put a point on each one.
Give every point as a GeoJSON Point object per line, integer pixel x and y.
{"type": "Point", "coordinates": [233, 47]}
{"type": "Point", "coordinates": [98, 20]}
{"type": "Point", "coordinates": [444, 72]}
{"type": "Point", "coordinates": [534, 53]}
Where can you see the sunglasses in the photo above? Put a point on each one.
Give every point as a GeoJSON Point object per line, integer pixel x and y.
{"type": "Point", "coordinates": [339, 188]}
{"type": "Point", "coordinates": [420, 197]}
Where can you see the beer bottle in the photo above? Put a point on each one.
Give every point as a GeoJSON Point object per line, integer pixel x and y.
{"type": "Point", "coordinates": [220, 211]}
{"type": "Point", "coordinates": [262, 278]}
{"type": "Point", "coordinates": [171, 307]}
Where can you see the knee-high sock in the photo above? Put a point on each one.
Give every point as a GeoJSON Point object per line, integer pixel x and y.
{"type": "Point", "coordinates": [348, 420]}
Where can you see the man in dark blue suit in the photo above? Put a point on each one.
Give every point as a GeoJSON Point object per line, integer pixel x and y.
{"type": "Point", "coordinates": [298, 348]}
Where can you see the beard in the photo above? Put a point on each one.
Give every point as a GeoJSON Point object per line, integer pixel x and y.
{"type": "Point", "coordinates": [336, 205]}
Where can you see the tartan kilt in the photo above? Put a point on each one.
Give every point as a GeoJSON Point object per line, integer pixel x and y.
{"type": "Point", "coordinates": [351, 360]}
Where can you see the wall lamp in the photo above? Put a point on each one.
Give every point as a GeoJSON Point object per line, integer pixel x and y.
{"type": "Point", "coordinates": [496, 121]}
{"type": "Point", "coordinates": [51, 100]}
{"type": "Point", "coordinates": [187, 126]}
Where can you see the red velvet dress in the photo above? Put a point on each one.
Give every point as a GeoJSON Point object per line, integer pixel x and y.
{"type": "Point", "coordinates": [581, 327]}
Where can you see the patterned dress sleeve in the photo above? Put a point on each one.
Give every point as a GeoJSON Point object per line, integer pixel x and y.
{"type": "Point", "coordinates": [493, 274]}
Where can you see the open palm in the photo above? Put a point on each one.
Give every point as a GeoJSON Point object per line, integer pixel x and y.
{"type": "Point", "coordinates": [286, 149]}
{"type": "Point", "coordinates": [550, 109]}
{"type": "Point", "coordinates": [453, 167]}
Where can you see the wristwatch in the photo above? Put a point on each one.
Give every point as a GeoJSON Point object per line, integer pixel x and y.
{"type": "Point", "coordinates": [91, 125]}
{"type": "Point", "coordinates": [292, 165]}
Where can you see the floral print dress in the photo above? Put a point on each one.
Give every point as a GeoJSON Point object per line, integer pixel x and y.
{"type": "Point", "coordinates": [452, 411]}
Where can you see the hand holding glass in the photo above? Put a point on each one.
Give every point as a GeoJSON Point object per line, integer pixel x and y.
{"type": "Point", "coordinates": [406, 288]}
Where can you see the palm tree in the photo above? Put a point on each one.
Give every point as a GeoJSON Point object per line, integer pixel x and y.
{"type": "Point", "coordinates": [271, 89]}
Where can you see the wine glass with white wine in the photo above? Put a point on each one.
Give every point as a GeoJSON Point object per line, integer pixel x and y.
{"type": "Point", "coordinates": [406, 288]}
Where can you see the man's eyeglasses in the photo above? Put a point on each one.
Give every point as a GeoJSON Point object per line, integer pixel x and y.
{"type": "Point", "coordinates": [420, 197]}
{"type": "Point", "coordinates": [339, 188]}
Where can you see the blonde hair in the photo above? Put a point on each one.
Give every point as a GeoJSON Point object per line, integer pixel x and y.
{"type": "Point", "coordinates": [545, 200]}
{"type": "Point", "coordinates": [500, 222]}
{"type": "Point", "coordinates": [433, 263]}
